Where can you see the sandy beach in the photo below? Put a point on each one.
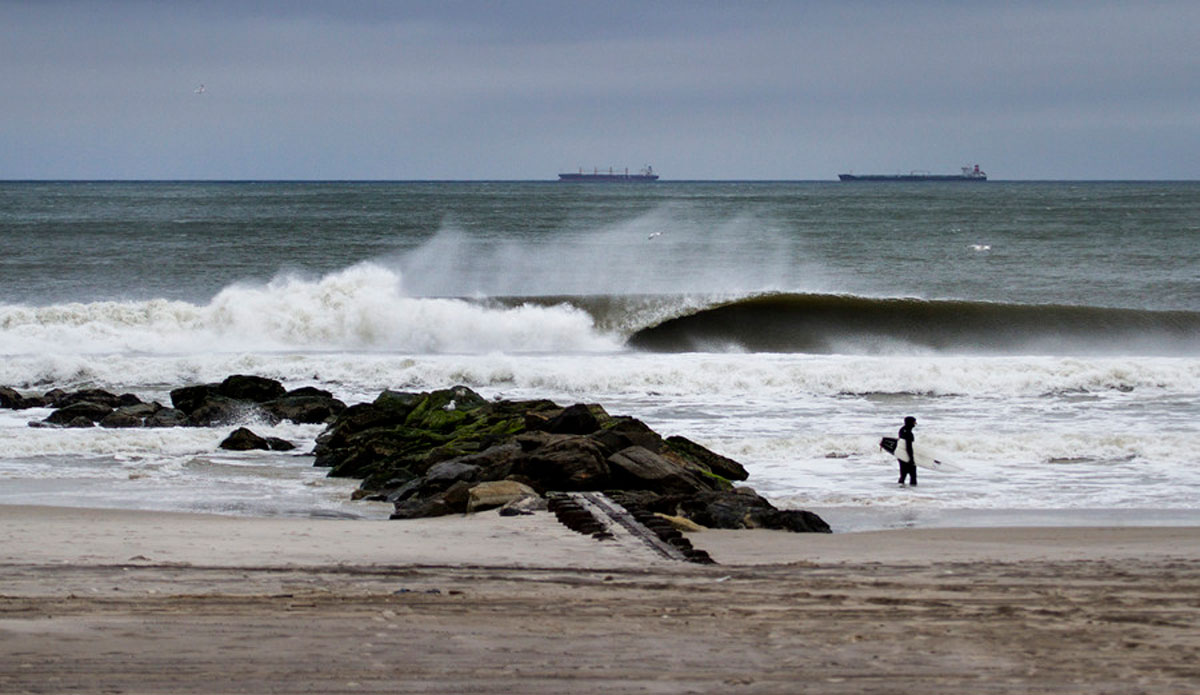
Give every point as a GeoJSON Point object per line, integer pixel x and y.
{"type": "Point", "coordinates": [150, 602]}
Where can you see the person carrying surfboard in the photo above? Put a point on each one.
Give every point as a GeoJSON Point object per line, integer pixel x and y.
{"type": "Point", "coordinates": [908, 469]}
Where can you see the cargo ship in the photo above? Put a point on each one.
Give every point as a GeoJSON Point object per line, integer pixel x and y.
{"type": "Point", "coordinates": [968, 174]}
{"type": "Point", "coordinates": [644, 175]}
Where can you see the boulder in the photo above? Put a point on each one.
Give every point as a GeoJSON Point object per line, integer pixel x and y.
{"type": "Point", "coordinates": [442, 475]}
{"type": "Point", "coordinates": [686, 449]}
{"type": "Point", "coordinates": [304, 409]}
{"type": "Point", "coordinates": [93, 412]}
{"type": "Point", "coordinates": [625, 432]}
{"type": "Point", "coordinates": [126, 400]}
{"type": "Point", "coordinates": [10, 398]}
{"type": "Point", "coordinates": [189, 398]}
{"type": "Point", "coordinates": [242, 439]}
{"type": "Point", "coordinates": [98, 396]}
{"type": "Point", "coordinates": [167, 417]}
{"type": "Point", "coordinates": [570, 463]}
{"type": "Point", "coordinates": [140, 410]}
{"type": "Point", "coordinates": [221, 410]}
{"type": "Point", "coordinates": [422, 507]}
{"type": "Point", "coordinates": [35, 402]}
{"type": "Point", "coordinates": [743, 508]}
{"type": "Point", "coordinates": [52, 397]}
{"type": "Point", "coordinates": [309, 391]}
{"type": "Point", "coordinates": [256, 389]}
{"type": "Point", "coordinates": [497, 493]}
{"type": "Point", "coordinates": [277, 444]}
{"type": "Point", "coordinates": [639, 468]}
{"type": "Point", "coordinates": [118, 419]}
{"type": "Point", "coordinates": [577, 419]}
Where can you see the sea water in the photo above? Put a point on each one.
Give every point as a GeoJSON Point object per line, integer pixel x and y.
{"type": "Point", "coordinates": [1046, 335]}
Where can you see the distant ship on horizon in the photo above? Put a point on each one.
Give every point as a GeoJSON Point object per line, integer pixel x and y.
{"type": "Point", "coordinates": [968, 174]}
{"type": "Point", "coordinates": [645, 175]}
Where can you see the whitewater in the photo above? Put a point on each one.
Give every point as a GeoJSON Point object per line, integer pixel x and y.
{"type": "Point", "coordinates": [722, 312]}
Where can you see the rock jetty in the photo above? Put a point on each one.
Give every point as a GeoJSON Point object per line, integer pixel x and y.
{"type": "Point", "coordinates": [430, 453]}
{"type": "Point", "coordinates": [451, 451]}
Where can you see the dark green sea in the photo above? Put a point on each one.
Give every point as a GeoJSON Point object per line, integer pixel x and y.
{"type": "Point", "coordinates": [1047, 334]}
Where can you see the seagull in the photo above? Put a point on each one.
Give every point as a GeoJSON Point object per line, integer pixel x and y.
{"type": "Point", "coordinates": [654, 234]}
{"type": "Point", "coordinates": [982, 247]}
{"type": "Point", "coordinates": [200, 89]}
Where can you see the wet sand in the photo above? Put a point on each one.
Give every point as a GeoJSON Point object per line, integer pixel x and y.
{"type": "Point", "coordinates": [146, 602]}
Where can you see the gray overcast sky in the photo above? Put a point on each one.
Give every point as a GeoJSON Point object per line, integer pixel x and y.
{"type": "Point", "coordinates": [522, 90]}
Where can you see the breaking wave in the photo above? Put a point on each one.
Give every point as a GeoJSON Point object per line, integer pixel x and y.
{"type": "Point", "coordinates": [362, 308]}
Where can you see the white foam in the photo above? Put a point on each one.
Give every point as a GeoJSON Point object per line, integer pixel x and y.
{"type": "Point", "coordinates": [360, 308]}
{"type": "Point", "coordinates": [1030, 432]}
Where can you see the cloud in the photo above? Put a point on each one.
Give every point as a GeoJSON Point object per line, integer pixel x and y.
{"type": "Point", "coordinates": [520, 90]}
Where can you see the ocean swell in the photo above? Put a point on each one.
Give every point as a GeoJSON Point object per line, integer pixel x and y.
{"type": "Point", "coordinates": [838, 324]}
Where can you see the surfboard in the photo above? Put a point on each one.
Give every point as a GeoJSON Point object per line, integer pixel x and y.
{"type": "Point", "coordinates": [924, 457]}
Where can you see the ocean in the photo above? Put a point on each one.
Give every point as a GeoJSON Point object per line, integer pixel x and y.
{"type": "Point", "coordinates": [1046, 335]}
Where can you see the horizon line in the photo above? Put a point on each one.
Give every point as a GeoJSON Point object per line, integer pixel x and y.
{"type": "Point", "coordinates": [556, 181]}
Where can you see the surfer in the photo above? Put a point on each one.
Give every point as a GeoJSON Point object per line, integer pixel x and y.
{"type": "Point", "coordinates": [908, 468]}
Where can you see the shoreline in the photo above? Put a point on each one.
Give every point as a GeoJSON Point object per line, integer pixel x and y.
{"type": "Point", "coordinates": [109, 537]}
{"type": "Point", "coordinates": [165, 602]}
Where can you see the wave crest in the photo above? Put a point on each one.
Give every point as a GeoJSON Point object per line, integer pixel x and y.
{"type": "Point", "coordinates": [362, 308]}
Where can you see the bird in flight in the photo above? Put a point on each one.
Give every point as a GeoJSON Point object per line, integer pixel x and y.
{"type": "Point", "coordinates": [200, 89]}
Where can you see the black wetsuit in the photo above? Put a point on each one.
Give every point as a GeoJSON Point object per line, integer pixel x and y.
{"type": "Point", "coordinates": [908, 469]}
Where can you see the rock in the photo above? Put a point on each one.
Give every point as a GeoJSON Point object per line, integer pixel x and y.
{"type": "Point", "coordinates": [118, 419]}
{"type": "Point", "coordinates": [725, 467]}
{"type": "Point", "coordinates": [277, 444]}
{"type": "Point", "coordinates": [167, 417]}
{"type": "Point", "coordinates": [497, 493]}
{"type": "Point", "coordinates": [189, 398]}
{"type": "Point", "coordinates": [256, 389]}
{"type": "Point", "coordinates": [442, 475]}
{"type": "Point", "coordinates": [98, 396]}
{"type": "Point", "coordinates": [625, 432]}
{"type": "Point", "coordinates": [13, 399]}
{"type": "Point", "coordinates": [577, 419]}
{"type": "Point", "coordinates": [93, 412]}
{"type": "Point", "coordinates": [422, 507]}
{"type": "Point", "coordinates": [36, 402]}
{"type": "Point", "coordinates": [451, 451]}
{"type": "Point", "coordinates": [126, 400]}
{"type": "Point", "coordinates": [52, 397]}
{"type": "Point", "coordinates": [304, 409]}
{"type": "Point", "coordinates": [794, 520]}
{"type": "Point", "coordinates": [743, 508]}
{"type": "Point", "coordinates": [234, 400]}
{"type": "Point", "coordinates": [221, 410]}
{"type": "Point", "coordinates": [243, 439]}
{"type": "Point", "coordinates": [140, 410]}
{"type": "Point", "coordinates": [79, 422]}
{"type": "Point", "coordinates": [10, 398]}
{"type": "Point", "coordinates": [680, 523]}
{"type": "Point", "coordinates": [308, 391]}
{"type": "Point", "coordinates": [639, 468]}
{"type": "Point", "coordinates": [570, 463]}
